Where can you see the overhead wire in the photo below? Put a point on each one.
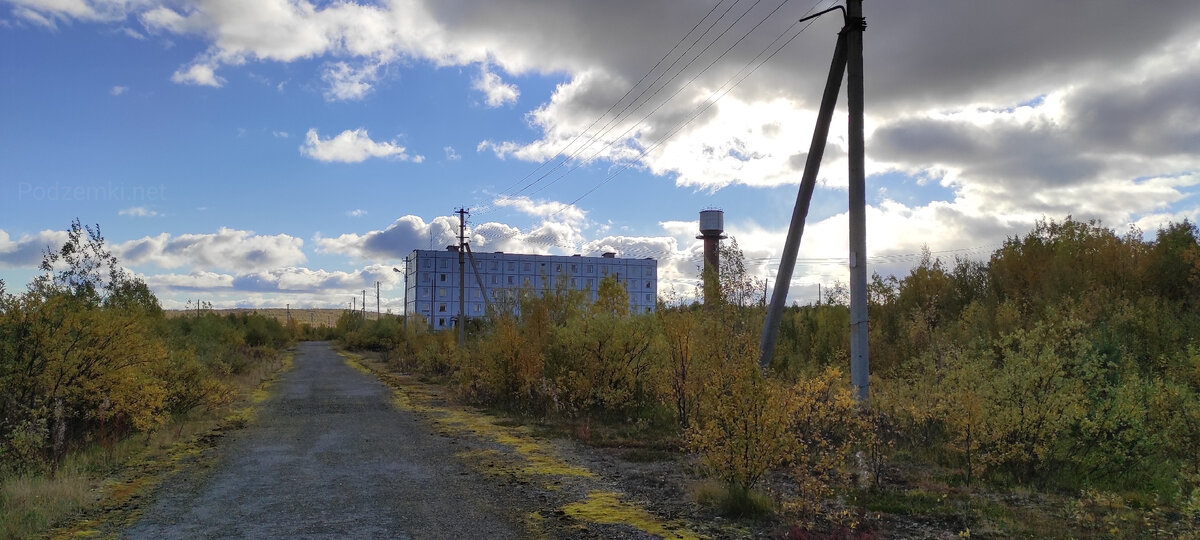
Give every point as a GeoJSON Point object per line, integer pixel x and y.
{"type": "Point", "coordinates": [631, 89]}
{"type": "Point", "coordinates": [626, 111]}
{"type": "Point", "coordinates": [682, 87]}
{"type": "Point", "coordinates": [708, 103]}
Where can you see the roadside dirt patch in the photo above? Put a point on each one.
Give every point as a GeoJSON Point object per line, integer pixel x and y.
{"type": "Point", "coordinates": [562, 492]}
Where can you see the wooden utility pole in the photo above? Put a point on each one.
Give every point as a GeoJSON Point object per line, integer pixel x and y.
{"type": "Point", "coordinates": [859, 356]}
{"type": "Point", "coordinates": [377, 300]}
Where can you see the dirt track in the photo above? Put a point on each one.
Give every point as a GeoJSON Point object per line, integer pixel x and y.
{"type": "Point", "coordinates": [329, 456]}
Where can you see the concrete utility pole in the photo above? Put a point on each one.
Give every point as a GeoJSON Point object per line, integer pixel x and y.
{"type": "Point", "coordinates": [848, 58]}
{"type": "Point", "coordinates": [859, 356]}
{"type": "Point", "coordinates": [462, 276]}
{"type": "Point", "coordinates": [377, 300]}
{"type": "Point", "coordinates": [808, 182]}
{"type": "Point", "coordinates": [397, 270]}
{"type": "Point", "coordinates": [363, 315]}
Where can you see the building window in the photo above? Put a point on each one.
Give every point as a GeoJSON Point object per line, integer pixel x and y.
{"type": "Point", "coordinates": [426, 264]}
{"type": "Point", "coordinates": [589, 268]}
{"type": "Point", "coordinates": [494, 266]}
{"type": "Point", "coordinates": [476, 308]}
{"type": "Point", "coordinates": [441, 322]}
{"type": "Point", "coordinates": [512, 266]}
{"type": "Point", "coordinates": [649, 284]}
{"type": "Point", "coordinates": [495, 280]}
{"type": "Point", "coordinates": [441, 308]}
{"type": "Point", "coordinates": [512, 280]}
{"type": "Point", "coordinates": [558, 268]}
{"type": "Point", "coordinates": [528, 267]}
{"type": "Point", "coordinates": [574, 268]}
{"type": "Point", "coordinates": [443, 277]}
{"type": "Point", "coordinates": [441, 293]}
{"type": "Point", "coordinates": [573, 283]}
{"type": "Point", "coordinates": [443, 263]}
{"type": "Point", "coordinates": [649, 297]}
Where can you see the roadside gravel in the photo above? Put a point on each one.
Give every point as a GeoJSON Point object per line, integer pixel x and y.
{"type": "Point", "coordinates": [329, 456]}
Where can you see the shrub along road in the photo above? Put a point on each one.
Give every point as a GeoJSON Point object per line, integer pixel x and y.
{"type": "Point", "coordinates": [329, 455]}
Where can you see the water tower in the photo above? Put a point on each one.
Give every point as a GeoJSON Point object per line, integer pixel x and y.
{"type": "Point", "coordinates": [712, 231]}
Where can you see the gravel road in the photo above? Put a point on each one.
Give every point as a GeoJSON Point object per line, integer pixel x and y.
{"type": "Point", "coordinates": [328, 456]}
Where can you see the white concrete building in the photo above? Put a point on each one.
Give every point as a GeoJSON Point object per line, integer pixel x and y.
{"type": "Point", "coordinates": [432, 280]}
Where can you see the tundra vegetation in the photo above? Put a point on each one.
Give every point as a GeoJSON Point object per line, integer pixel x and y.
{"type": "Point", "coordinates": [94, 377]}
{"type": "Point", "coordinates": [1063, 373]}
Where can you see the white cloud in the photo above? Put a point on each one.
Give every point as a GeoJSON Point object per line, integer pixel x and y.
{"type": "Point", "coordinates": [347, 83]}
{"type": "Point", "coordinates": [496, 92]}
{"type": "Point", "coordinates": [138, 211]}
{"type": "Point", "coordinates": [26, 252]}
{"type": "Point", "coordinates": [279, 134]}
{"type": "Point", "coordinates": [227, 249]}
{"type": "Point", "coordinates": [199, 74]}
{"type": "Point", "coordinates": [357, 212]}
{"type": "Point", "coordinates": [34, 17]}
{"type": "Point", "coordinates": [352, 147]}
{"type": "Point", "coordinates": [118, 90]}
{"type": "Point", "coordinates": [451, 155]}
{"type": "Point", "coordinates": [547, 210]}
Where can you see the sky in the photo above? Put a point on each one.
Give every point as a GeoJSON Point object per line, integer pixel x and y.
{"type": "Point", "coordinates": [256, 153]}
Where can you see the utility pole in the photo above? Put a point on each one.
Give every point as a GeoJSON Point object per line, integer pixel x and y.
{"type": "Point", "coordinates": [377, 300]}
{"type": "Point", "coordinates": [288, 310]}
{"type": "Point", "coordinates": [808, 182]}
{"type": "Point", "coordinates": [462, 276]}
{"type": "Point", "coordinates": [847, 58]}
{"type": "Point", "coordinates": [363, 315]}
{"type": "Point", "coordinates": [859, 356]}
{"type": "Point", "coordinates": [406, 294]}
{"type": "Point", "coordinates": [397, 270]}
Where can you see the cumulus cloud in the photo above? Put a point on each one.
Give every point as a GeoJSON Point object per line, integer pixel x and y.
{"type": "Point", "coordinates": [496, 92]}
{"type": "Point", "coordinates": [1088, 112]}
{"type": "Point", "coordinates": [138, 211]}
{"type": "Point", "coordinates": [227, 249]}
{"type": "Point", "coordinates": [347, 83]}
{"type": "Point", "coordinates": [198, 74]}
{"type": "Point", "coordinates": [394, 242]}
{"type": "Point", "coordinates": [451, 155]}
{"type": "Point", "coordinates": [26, 251]}
{"type": "Point", "coordinates": [547, 210]}
{"type": "Point", "coordinates": [352, 147]}
{"type": "Point", "coordinates": [118, 90]}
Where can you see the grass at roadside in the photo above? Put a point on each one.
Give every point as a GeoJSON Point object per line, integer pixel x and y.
{"type": "Point", "coordinates": [517, 452]}
{"type": "Point", "coordinates": [99, 488]}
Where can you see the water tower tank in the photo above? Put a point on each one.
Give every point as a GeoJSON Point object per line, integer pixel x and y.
{"type": "Point", "coordinates": [712, 222]}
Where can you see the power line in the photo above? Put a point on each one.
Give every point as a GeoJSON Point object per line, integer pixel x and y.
{"type": "Point", "coordinates": [630, 90]}
{"type": "Point", "coordinates": [682, 87]}
{"type": "Point", "coordinates": [709, 103]}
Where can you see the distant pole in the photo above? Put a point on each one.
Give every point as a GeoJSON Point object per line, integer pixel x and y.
{"type": "Point", "coordinates": [377, 300]}
{"type": "Point", "coordinates": [808, 182]}
{"type": "Point", "coordinates": [363, 316]}
{"type": "Point", "coordinates": [405, 323]}
{"type": "Point", "coordinates": [462, 277]}
{"type": "Point", "coordinates": [288, 311]}
{"type": "Point", "coordinates": [859, 343]}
